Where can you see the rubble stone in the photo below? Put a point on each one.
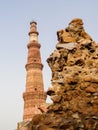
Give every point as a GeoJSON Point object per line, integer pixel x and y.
{"type": "Point", "coordinates": [74, 90]}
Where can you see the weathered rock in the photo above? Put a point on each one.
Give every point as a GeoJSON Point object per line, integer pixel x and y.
{"type": "Point", "coordinates": [73, 33]}
{"type": "Point", "coordinates": [69, 46]}
{"type": "Point", "coordinates": [56, 98]}
{"type": "Point", "coordinates": [90, 90]}
{"type": "Point", "coordinates": [74, 91]}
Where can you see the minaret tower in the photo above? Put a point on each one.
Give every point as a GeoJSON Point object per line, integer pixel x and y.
{"type": "Point", "coordinates": [34, 95]}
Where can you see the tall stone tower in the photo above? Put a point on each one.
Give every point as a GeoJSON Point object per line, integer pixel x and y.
{"type": "Point", "coordinates": [34, 95]}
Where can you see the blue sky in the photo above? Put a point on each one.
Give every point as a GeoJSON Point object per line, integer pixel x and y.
{"type": "Point", "coordinates": [15, 16]}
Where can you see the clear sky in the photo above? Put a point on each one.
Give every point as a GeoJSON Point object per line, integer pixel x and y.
{"type": "Point", "coordinates": [15, 16]}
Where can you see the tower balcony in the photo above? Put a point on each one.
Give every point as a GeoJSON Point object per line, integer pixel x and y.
{"type": "Point", "coordinates": [34, 65]}
{"type": "Point", "coordinates": [33, 44]}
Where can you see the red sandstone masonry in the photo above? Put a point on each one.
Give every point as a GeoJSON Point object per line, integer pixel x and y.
{"type": "Point", "coordinates": [34, 95]}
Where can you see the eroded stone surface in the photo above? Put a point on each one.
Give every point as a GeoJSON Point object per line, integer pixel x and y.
{"type": "Point", "coordinates": [74, 90]}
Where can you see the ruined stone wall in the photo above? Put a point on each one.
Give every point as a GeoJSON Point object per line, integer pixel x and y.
{"type": "Point", "coordinates": [74, 90]}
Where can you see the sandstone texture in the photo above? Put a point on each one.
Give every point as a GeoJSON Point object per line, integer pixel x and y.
{"type": "Point", "coordinates": [74, 90]}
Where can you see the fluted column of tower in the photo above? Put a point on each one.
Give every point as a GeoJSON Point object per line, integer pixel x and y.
{"type": "Point", "coordinates": [34, 94]}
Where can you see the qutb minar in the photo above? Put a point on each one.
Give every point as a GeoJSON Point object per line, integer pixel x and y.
{"type": "Point", "coordinates": [34, 95]}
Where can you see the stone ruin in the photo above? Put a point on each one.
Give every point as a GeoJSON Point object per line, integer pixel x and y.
{"type": "Point", "coordinates": [74, 91]}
